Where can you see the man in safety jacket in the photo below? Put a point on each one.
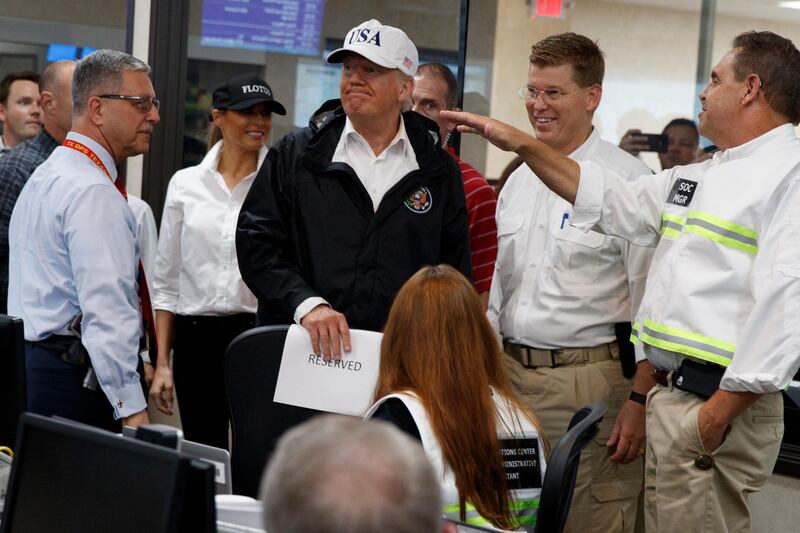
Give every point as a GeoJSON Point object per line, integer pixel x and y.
{"type": "Point", "coordinates": [344, 211]}
{"type": "Point", "coordinates": [719, 320]}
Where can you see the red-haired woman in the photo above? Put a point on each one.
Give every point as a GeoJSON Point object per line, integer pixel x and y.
{"type": "Point", "coordinates": [442, 380]}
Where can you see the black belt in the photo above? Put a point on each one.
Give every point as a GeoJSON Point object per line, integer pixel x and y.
{"type": "Point", "coordinates": [692, 376]}
{"type": "Point", "coordinates": [67, 347]}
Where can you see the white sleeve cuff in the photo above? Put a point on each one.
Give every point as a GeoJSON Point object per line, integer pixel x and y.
{"type": "Point", "coordinates": [589, 198]}
{"type": "Point", "coordinates": [308, 304]}
{"type": "Point", "coordinates": [758, 383]}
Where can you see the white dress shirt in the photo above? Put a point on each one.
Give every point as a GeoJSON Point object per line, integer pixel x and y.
{"type": "Point", "coordinates": [749, 300]}
{"type": "Point", "coordinates": [378, 174]}
{"type": "Point", "coordinates": [555, 286]}
{"type": "Point", "coordinates": [197, 271]}
{"type": "Point", "coordinates": [146, 234]}
{"type": "Point", "coordinates": [72, 240]}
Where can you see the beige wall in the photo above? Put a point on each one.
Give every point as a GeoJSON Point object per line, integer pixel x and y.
{"type": "Point", "coordinates": [94, 12]}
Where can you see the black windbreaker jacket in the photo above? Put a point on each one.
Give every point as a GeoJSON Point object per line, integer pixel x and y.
{"type": "Point", "coordinates": [307, 227]}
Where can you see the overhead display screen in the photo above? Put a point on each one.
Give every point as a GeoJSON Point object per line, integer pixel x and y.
{"type": "Point", "coordinates": [286, 26]}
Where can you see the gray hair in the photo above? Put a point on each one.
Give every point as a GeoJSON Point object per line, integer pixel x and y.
{"type": "Point", "coordinates": [336, 473]}
{"type": "Point", "coordinates": [101, 72]}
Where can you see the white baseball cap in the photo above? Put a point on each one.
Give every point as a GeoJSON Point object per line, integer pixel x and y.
{"type": "Point", "coordinates": [386, 46]}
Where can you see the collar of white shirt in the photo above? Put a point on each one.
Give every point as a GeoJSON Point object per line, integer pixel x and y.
{"type": "Point", "coordinates": [784, 132]}
{"type": "Point", "coordinates": [353, 145]}
{"type": "Point", "coordinates": [583, 151]}
{"type": "Point", "coordinates": [211, 159]}
{"type": "Point", "coordinates": [101, 152]}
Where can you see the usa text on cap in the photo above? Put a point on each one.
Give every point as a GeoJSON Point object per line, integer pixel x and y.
{"type": "Point", "coordinates": [386, 46]}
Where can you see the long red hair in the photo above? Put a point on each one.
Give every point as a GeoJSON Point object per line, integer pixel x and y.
{"type": "Point", "coordinates": [438, 344]}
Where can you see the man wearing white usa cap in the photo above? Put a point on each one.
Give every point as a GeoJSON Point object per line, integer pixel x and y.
{"type": "Point", "coordinates": [344, 211]}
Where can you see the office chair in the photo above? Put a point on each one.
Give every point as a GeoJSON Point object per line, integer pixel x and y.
{"type": "Point", "coordinates": [13, 392]}
{"type": "Point", "coordinates": [252, 362]}
{"type": "Point", "coordinates": [559, 478]}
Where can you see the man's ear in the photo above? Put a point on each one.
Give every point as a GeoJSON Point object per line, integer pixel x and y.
{"type": "Point", "coordinates": [752, 88]}
{"type": "Point", "coordinates": [406, 89]}
{"type": "Point", "coordinates": [95, 111]}
{"type": "Point", "coordinates": [47, 100]}
{"type": "Point", "coordinates": [593, 96]}
{"type": "Point", "coordinates": [2, 113]}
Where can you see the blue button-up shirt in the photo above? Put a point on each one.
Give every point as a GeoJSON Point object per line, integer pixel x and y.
{"type": "Point", "coordinates": [72, 241]}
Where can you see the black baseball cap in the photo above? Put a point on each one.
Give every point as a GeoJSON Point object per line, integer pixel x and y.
{"type": "Point", "coordinates": [243, 91]}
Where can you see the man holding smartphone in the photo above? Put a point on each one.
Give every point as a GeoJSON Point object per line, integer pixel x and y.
{"type": "Point", "coordinates": [557, 293]}
{"type": "Point", "coordinates": [719, 321]}
{"type": "Point", "coordinates": [677, 144]}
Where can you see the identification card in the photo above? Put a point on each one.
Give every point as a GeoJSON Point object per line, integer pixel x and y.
{"type": "Point", "coordinates": [521, 461]}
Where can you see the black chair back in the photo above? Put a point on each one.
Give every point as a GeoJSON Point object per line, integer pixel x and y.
{"type": "Point", "coordinates": [13, 391]}
{"type": "Point", "coordinates": [559, 478]}
{"type": "Point", "coordinates": [252, 362]}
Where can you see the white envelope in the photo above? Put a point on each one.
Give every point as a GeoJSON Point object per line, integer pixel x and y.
{"type": "Point", "coordinates": [345, 387]}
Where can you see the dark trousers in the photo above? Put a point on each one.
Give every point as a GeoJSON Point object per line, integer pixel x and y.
{"type": "Point", "coordinates": [55, 388]}
{"type": "Point", "coordinates": [198, 366]}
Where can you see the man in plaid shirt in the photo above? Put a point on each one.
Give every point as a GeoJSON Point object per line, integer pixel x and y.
{"type": "Point", "coordinates": [19, 163]}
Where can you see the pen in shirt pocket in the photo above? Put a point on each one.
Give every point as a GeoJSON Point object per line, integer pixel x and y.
{"type": "Point", "coordinates": [564, 218]}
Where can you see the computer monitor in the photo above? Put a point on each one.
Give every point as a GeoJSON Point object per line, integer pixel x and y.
{"type": "Point", "coordinates": [12, 377]}
{"type": "Point", "coordinates": [71, 477]}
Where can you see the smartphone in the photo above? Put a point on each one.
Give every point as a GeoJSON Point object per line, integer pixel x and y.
{"type": "Point", "coordinates": [656, 142]}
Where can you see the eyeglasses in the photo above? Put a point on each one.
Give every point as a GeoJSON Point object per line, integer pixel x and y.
{"type": "Point", "coordinates": [532, 93]}
{"type": "Point", "coordinates": [142, 103]}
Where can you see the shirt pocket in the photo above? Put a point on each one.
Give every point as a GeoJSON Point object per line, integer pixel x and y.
{"type": "Point", "coordinates": [511, 245]}
{"type": "Point", "coordinates": [575, 254]}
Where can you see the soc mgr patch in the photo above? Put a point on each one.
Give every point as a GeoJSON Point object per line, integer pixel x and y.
{"type": "Point", "coordinates": [682, 192]}
{"type": "Point", "coordinates": [419, 201]}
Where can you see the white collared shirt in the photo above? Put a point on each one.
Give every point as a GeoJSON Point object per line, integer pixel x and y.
{"type": "Point", "coordinates": [197, 271]}
{"type": "Point", "coordinates": [555, 286]}
{"type": "Point", "coordinates": [378, 174]}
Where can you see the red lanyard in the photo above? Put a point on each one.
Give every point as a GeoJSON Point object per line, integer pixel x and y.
{"type": "Point", "coordinates": [144, 294]}
{"type": "Point", "coordinates": [85, 150]}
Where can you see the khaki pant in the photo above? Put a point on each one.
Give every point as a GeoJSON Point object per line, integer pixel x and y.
{"type": "Point", "coordinates": [680, 496]}
{"type": "Point", "coordinates": [606, 498]}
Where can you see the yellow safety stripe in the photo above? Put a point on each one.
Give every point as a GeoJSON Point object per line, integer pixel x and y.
{"type": "Point", "coordinates": [687, 342]}
{"type": "Point", "coordinates": [521, 505]}
{"type": "Point", "coordinates": [671, 225]}
{"type": "Point", "coordinates": [525, 511]}
{"type": "Point", "coordinates": [722, 231]}
{"type": "Point", "coordinates": [635, 329]}
{"type": "Point", "coordinates": [451, 508]}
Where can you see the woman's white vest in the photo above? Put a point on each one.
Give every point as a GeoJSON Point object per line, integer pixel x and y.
{"type": "Point", "coordinates": [522, 450]}
{"type": "Point", "coordinates": [699, 292]}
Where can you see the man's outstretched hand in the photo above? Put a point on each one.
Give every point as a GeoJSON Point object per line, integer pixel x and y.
{"type": "Point", "coordinates": [498, 133]}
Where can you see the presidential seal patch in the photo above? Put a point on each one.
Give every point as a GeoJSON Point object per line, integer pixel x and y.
{"type": "Point", "coordinates": [419, 201]}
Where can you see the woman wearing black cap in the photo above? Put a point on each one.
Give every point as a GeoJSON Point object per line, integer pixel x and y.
{"type": "Point", "coordinates": [200, 299]}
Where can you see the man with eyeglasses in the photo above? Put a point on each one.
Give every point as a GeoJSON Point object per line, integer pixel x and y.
{"type": "Point", "coordinates": [344, 211]}
{"type": "Point", "coordinates": [75, 275]}
{"type": "Point", "coordinates": [558, 293]}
